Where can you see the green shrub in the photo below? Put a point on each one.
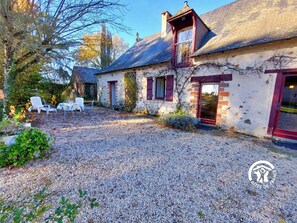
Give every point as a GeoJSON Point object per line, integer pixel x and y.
{"type": "Point", "coordinates": [1, 109]}
{"type": "Point", "coordinates": [3, 155]}
{"type": "Point", "coordinates": [22, 88]}
{"type": "Point", "coordinates": [36, 209]}
{"type": "Point", "coordinates": [179, 120]}
{"type": "Point", "coordinates": [131, 90]}
{"type": "Point", "coordinates": [31, 143]}
{"type": "Point", "coordinates": [53, 93]}
{"type": "Point", "coordinates": [65, 94]}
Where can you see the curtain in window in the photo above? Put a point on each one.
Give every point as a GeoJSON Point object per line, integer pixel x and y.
{"type": "Point", "coordinates": [160, 87]}
{"type": "Point", "coordinates": [183, 46]}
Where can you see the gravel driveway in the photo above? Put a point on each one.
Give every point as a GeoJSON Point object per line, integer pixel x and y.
{"type": "Point", "coordinates": [141, 172]}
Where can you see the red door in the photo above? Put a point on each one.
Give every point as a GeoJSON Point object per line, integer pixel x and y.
{"type": "Point", "coordinates": [285, 125]}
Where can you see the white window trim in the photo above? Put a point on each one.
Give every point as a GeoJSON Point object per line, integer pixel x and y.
{"type": "Point", "coordinates": [182, 30]}
{"type": "Point", "coordinates": [155, 90]}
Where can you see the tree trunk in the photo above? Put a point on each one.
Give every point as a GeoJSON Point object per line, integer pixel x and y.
{"type": "Point", "coordinates": [7, 64]}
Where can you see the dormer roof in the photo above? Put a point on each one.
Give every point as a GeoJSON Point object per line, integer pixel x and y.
{"type": "Point", "coordinates": [185, 10]}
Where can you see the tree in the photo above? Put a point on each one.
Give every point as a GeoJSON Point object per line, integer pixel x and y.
{"type": "Point", "coordinates": [89, 50]}
{"type": "Point", "coordinates": [40, 31]}
{"type": "Point", "coordinates": [100, 49]}
{"type": "Point", "coordinates": [119, 46]}
{"type": "Point", "coordinates": [105, 46]}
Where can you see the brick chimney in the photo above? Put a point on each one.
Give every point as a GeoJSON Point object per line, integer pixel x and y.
{"type": "Point", "coordinates": [165, 25]}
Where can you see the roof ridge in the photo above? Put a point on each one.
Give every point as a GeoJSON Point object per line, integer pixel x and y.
{"type": "Point", "coordinates": [75, 66]}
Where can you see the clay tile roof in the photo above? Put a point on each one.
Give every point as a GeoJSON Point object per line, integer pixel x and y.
{"type": "Point", "coordinates": [87, 75]}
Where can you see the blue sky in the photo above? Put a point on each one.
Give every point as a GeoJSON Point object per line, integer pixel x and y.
{"type": "Point", "coordinates": [144, 16]}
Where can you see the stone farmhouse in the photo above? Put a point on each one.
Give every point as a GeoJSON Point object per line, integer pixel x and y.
{"type": "Point", "coordinates": [234, 67]}
{"type": "Point", "coordinates": [83, 82]}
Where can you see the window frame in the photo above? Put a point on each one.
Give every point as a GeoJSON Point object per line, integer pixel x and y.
{"type": "Point", "coordinates": [180, 43]}
{"type": "Point", "coordinates": [156, 88]}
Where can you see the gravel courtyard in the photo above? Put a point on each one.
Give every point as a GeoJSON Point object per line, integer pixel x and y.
{"type": "Point", "coordinates": [140, 172]}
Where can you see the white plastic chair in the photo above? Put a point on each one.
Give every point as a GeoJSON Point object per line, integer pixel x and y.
{"type": "Point", "coordinates": [37, 105]}
{"type": "Point", "coordinates": [80, 102]}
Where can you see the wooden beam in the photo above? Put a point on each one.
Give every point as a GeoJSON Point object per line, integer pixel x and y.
{"type": "Point", "coordinates": [212, 78]}
{"type": "Point", "coordinates": [294, 70]}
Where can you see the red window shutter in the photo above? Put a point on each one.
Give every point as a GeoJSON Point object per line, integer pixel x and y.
{"type": "Point", "coordinates": [149, 88]}
{"type": "Point", "coordinates": [169, 87]}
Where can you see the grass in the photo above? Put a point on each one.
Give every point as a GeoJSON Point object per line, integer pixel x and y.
{"type": "Point", "coordinates": [278, 152]}
{"type": "Point", "coordinates": [288, 110]}
{"type": "Point", "coordinates": [200, 214]}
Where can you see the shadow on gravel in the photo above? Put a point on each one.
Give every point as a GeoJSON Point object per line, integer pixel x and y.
{"type": "Point", "coordinates": [276, 145]}
{"type": "Point", "coordinates": [288, 145]}
{"type": "Point", "coordinates": [282, 147]}
{"type": "Point", "coordinates": [206, 127]}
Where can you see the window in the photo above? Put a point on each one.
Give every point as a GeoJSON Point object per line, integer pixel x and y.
{"type": "Point", "coordinates": [183, 46]}
{"type": "Point", "coordinates": [160, 87]}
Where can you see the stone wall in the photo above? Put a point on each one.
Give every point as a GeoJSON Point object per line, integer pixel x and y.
{"type": "Point", "coordinates": [244, 103]}
{"type": "Point", "coordinates": [104, 88]}
{"type": "Point", "coordinates": [153, 106]}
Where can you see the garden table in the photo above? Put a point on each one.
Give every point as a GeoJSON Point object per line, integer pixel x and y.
{"type": "Point", "coordinates": [48, 109]}
{"type": "Point", "coordinates": [68, 106]}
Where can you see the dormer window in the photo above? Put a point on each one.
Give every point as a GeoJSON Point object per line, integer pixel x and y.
{"type": "Point", "coordinates": [188, 31]}
{"type": "Point", "coordinates": [184, 45]}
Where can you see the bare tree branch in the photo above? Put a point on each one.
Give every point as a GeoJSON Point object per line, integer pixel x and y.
{"type": "Point", "coordinates": [35, 30]}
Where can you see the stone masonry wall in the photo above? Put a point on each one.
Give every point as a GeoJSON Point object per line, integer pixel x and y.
{"type": "Point", "coordinates": [244, 103]}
